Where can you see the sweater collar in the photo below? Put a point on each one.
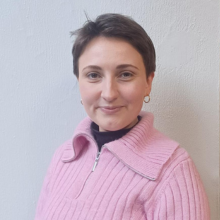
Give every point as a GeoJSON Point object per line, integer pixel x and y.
{"type": "Point", "coordinates": [143, 149]}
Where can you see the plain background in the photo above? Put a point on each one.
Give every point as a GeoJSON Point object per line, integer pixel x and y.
{"type": "Point", "coordinates": [40, 101]}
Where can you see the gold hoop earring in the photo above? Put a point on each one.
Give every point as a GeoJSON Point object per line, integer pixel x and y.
{"type": "Point", "coordinates": [81, 102]}
{"type": "Point", "coordinates": [148, 99]}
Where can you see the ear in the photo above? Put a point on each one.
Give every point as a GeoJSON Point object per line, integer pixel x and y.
{"type": "Point", "coordinates": [149, 83]}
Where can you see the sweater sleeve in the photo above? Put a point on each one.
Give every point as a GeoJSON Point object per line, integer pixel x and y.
{"type": "Point", "coordinates": [184, 197]}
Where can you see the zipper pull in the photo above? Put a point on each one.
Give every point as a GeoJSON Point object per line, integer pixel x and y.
{"type": "Point", "coordinates": [96, 161]}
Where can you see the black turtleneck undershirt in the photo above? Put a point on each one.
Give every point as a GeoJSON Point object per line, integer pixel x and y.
{"type": "Point", "coordinates": [102, 138]}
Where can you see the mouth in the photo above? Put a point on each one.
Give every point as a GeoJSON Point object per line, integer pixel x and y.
{"type": "Point", "coordinates": [110, 109]}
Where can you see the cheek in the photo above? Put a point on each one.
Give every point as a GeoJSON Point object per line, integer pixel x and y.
{"type": "Point", "coordinates": [88, 94]}
{"type": "Point", "coordinates": [135, 95]}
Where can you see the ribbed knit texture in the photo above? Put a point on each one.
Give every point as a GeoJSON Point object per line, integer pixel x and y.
{"type": "Point", "coordinates": [143, 175]}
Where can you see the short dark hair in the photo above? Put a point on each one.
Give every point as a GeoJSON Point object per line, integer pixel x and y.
{"type": "Point", "coordinates": [117, 26]}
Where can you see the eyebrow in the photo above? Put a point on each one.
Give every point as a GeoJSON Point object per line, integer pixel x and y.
{"type": "Point", "coordinates": [118, 67]}
{"type": "Point", "coordinates": [126, 65]}
{"type": "Point", "coordinates": [92, 67]}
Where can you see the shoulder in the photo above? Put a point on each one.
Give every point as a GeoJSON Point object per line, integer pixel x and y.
{"type": "Point", "coordinates": [179, 157]}
{"type": "Point", "coordinates": [179, 166]}
{"type": "Point", "coordinates": [181, 189]}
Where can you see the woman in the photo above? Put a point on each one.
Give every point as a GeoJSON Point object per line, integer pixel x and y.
{"type": "Point", "coordinates": [117, 165]}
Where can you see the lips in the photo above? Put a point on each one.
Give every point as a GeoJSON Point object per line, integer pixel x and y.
{"type": "Point", "coordinates": [110, 109]}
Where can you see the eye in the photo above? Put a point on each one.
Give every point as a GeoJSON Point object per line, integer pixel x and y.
{"type": "Point", "coordinates": [93, 75]}
{"type": "Point", "coordinates": [126, 75]}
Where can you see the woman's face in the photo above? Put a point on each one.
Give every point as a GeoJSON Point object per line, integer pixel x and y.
{"type": "Point", "coordinates": [112, 83]}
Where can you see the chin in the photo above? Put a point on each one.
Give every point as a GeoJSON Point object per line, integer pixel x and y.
{"type": "Point", "coordinates": [113, 127]}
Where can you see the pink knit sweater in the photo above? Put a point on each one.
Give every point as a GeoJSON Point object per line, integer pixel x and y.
{"type": "Point", "coordinates": [143, 175]}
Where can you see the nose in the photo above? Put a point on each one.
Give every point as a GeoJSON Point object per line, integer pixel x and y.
{"type": "Point", "coordinates": [109, 90]}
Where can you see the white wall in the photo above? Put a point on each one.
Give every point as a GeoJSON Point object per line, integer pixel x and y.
{"type": "Point", "coordinates": [39, 97]}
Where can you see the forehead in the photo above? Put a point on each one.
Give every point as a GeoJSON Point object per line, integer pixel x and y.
{"type": "Point", "coordinates": [113, 51]}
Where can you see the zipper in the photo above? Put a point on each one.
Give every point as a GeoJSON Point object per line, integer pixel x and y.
{"type": "Point", "coordinates": [90, 173]}
{"type": "Point", "coordinates": [98, 157]}
{"type": "Point", "coordinates": [98, 152]}
{"type": "Point", "coordinates": [96, 161]}
{"type": "Point", "coordinates": [94, 166]}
